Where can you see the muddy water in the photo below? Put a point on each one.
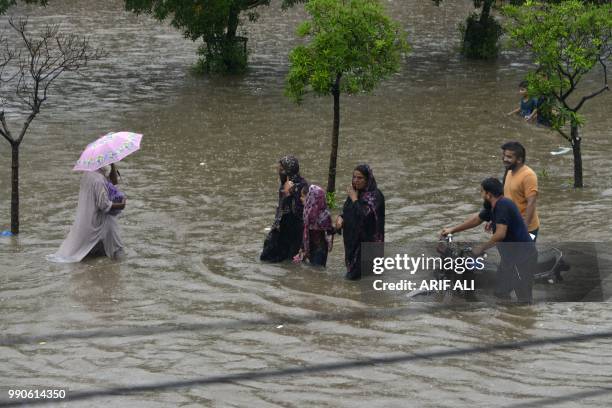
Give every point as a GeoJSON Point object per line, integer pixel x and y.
{"type": "Point", "coordinates": [202, 190]}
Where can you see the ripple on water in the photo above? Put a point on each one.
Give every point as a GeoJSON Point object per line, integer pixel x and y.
{"type": "Point", "coordinates": [194, 232]}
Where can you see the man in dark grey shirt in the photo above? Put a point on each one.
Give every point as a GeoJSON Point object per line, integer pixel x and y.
{"type": "Point", "coordinates": [515, 246]}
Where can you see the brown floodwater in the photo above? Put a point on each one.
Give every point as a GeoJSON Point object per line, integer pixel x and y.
{"type": "Point", "coordinates": [191, 299]}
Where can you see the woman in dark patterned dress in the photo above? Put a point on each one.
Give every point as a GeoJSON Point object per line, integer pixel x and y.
{"type": "Point", "coordinates": [362, 218]}
{"type": "Point", "coordinates": [285, 237]}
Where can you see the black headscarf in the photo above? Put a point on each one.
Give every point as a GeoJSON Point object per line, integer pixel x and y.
{"type": "Point", "coordinates": [289, 204]}
{"type": "Point", "coordinates": [364, 221]}
{"type": "Point", "coordinates": [366, 170]}
{"type": "Point", "coordinates": [374, 201]}
{"type": "Point", "coordinates": [291, 168]}
{"type": "Point", "coordinates": [290, 164]}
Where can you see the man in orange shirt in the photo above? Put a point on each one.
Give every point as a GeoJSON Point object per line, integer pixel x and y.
{"type": "Point", "coordinates": [521, 185]}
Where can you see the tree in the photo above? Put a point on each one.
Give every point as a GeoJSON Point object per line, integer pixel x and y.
{"type": "Point", "coordinates": [216, 22]}
{"type": "Point", "coordinates": [353, 46]}
{"type": "Point", "coordinates": [480, 32]}
{"type": "Point", "coordinates": [568, 40]}
{"type": "Point", "coordinates": [290, 3]}
{"type": "Point", "coordinates": [32, 70]}
{"type": "Point", "coordinates": [5, 4]}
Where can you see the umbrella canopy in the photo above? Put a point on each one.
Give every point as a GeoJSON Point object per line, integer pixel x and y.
{"type": "Point", "coordinates": [108, 149]}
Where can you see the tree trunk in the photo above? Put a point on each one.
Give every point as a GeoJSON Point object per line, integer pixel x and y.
{"type": "Point", "coordinates": [576, 139]}
{"type": "Point", "coordinates": [233, 58]}
{"type": "Point", "coordinates": [333, 158]}
{"type": "Point", "coordinates": [232, 23]}
{"type": "Point", "coordinates": [15, 188]}
{"type": "Point", "coordinates": [486, 10]}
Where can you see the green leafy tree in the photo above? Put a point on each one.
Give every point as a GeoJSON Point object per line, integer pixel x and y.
{"type": "Point", "coordinates": [521, 2]}
{"type": "Point", "coordinates": [290, 3]}
{"type": "Point", "coordinates": [480, 32]}
{"type": "Point", "coordinates": [568, 40]}
{"type": "Point", "coordinates": [5, 4]}
{"type": "Point", "coordinates": [216, 22]}
{"type": "Point", "coordinates": [353, 46]}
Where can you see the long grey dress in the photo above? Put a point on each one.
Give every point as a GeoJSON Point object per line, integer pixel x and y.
{"type": "Point", "coordinates": [93, 223]}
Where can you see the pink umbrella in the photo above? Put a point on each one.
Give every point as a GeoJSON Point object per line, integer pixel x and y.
{"type": "Point", "coordinates": [108, 149]}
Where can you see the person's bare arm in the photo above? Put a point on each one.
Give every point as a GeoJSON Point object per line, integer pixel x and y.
{"type": "Point", "coordinates": [532, 115]}
{"type": "Point", "coordinates": [514, 112]}
{"type": "Point", "coordinates": [473, 221]}
{"type": "Point", "coordinates": [498, 236]}
{"type": "Point", "coordinates": [287, 187]}
{"type": "Point", "coordinates": [339, 222]}
{"type": "Point", "coordinates": [119, 206]}
{"type": "Point", "coordinates": [530, 209]}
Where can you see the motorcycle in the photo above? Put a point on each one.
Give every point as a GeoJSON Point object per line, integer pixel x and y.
{"type": "Point", "coordinates": [550, 265]}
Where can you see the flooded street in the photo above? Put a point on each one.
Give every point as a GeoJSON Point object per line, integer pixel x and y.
{"type": "Point", "coordinates": [191, 299]}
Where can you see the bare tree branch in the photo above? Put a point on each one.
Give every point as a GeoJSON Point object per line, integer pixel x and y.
{"type": "Point", "coordinates": [21, 89]}
{"type": "Point", "coordinates": [594, 94]}
{"type": "Point", "coordinates": [26, 125]}
{"type": "Point", "coordinates": [6, 136]}
{"type": "Point", "coordinates": [605, 54]}
{"type": "Point", "coordinates": [4, 131]}
{"type": "Point", "coordinates": [572, 87]}
{"type": "Point", "coordinates": [6, 57]}
{"type": "Point", "coordinates": [567, 75]}
{"type": "Point", "coordinates": [47, 56]}
{"type": "Point", "coordinates": [604, 67]}
{"type": "Point", "coordinates": [565, 135]}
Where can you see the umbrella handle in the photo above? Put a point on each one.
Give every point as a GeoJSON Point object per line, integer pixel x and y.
{"type": "Point", "coordinates": [117, 174]}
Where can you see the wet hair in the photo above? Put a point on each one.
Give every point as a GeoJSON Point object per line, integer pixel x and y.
{"type": "Point", "coordinates": [517, 148]}
{"type": "Point", "coordinates": [493, 186]}
{"type": "Point", "coordinates": [523, 84]}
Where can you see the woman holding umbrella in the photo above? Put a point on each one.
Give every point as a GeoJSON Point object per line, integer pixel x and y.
{"type": "Point", "coordinates": [95, 229]}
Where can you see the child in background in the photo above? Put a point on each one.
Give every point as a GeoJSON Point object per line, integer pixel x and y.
{"type": "Point", "coordinates": [318, 229]}
{"type": "Point", "coordinates": [528, 107]}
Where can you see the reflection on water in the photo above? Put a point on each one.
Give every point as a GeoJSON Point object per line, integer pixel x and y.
{"type": "Point", "coordinates": [202, 189]}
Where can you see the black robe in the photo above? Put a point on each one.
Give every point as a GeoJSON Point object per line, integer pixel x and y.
{"type": "Point", "coordinates": [285, 238]}
{"type": "Point", "coordinates": [364, 221]}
